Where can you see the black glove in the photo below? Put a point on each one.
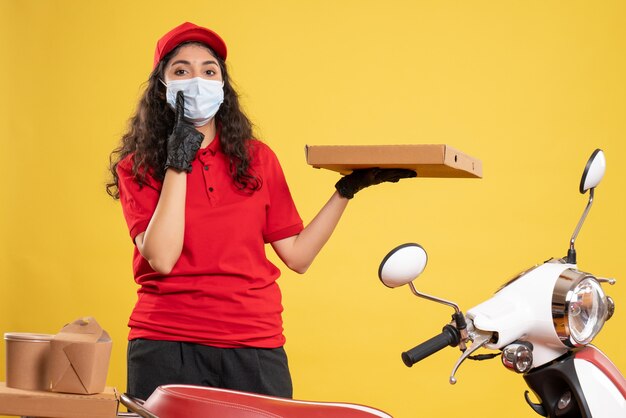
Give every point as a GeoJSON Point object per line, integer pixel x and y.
{"type": "Point", "coordinates": [184, 141]}
{"type": "Point", "coordinates": [359, 179]}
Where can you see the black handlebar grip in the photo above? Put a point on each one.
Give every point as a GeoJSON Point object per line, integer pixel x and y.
{"type": "Point", "coordinates": [449, 337]}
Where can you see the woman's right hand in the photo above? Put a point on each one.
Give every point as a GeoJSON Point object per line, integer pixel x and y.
{"type": "Point", "coordinates": [184, 141]}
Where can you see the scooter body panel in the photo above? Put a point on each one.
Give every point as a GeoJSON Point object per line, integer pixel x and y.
{"type": "Point", "coordinates": [522, 311]}
{"type": "Point", "coordinates": [603, 397]}
{"type": "Point", "coordinates": [602, 383]}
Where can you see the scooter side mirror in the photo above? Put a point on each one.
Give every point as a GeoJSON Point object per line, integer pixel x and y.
{"type": "Point", "coordinates": [594, 171]}
{"type": "Point", "coordinates": [592, 175]}
{"type": "Point", "coordinates": [402, 265]}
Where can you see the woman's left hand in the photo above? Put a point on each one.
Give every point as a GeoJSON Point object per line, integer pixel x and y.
{"type": "Point", "coordinates": [359, 179]}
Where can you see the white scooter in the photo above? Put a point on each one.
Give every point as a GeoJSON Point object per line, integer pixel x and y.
{"type": "Point", "coordinates": [542, 321]}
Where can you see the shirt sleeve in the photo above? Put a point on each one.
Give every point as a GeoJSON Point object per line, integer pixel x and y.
{"type": "Point", "coordinates": [138, 202]}
{"type": "Point", "coordinates": [282, 217]}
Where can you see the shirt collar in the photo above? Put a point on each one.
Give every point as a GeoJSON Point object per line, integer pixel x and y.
{"type": "Point", "coordinates": [214, 146]}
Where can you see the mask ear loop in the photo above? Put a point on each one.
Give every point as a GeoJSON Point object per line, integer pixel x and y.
{"type": "Point", "coordinates": [163, 82]}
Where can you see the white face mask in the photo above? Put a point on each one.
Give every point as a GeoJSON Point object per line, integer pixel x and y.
{"type": "Point", "coordinates": [202, 98]}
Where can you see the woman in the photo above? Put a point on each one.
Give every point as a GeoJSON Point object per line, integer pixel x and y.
{"type": "Point", "coordinates": [201, 198]}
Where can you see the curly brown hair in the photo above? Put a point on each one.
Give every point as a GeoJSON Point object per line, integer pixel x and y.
{"type": "Point", "coordinates": [149, 127]}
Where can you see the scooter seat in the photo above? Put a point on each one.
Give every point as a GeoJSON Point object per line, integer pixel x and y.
{"type": "Point", "coordinates": [178, 401]}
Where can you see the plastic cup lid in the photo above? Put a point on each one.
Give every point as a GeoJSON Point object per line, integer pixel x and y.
{"type": "Point", "coordinates": [27, 336]}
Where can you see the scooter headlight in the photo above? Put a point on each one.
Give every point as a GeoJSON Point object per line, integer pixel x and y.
{"type": "Point", "coordinates": [587, 311]}
{"type": "Point", "coordinates": [579, 308]}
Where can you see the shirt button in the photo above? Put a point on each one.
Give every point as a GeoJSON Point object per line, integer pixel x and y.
{"type": "Point", "coordinates": [206, 167]}
{"type": "Point", "coordinates": [210, 189]}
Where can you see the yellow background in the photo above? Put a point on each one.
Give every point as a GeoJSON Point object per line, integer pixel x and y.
{"type": "Point", "coordinates": [529, 87]}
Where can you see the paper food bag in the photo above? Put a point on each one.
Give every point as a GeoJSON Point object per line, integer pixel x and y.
{"type": "Point", "coordinates": [79, 358]}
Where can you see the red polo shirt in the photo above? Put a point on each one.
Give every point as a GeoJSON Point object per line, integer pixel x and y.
{"type": "Point", "coordinates": [222, 291]}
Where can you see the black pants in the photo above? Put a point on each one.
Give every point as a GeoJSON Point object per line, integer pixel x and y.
{"type": "Point", "coordinates": [257, 370]}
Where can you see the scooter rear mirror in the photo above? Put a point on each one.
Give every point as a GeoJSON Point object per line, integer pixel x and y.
{"type": "Point", "coordinates": [594, 171]}
{"type": "Point", "coordinates": [402, 265]}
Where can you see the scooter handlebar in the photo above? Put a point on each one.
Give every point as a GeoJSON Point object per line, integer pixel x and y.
{"type": "Point", "coordinates": [449, 337]}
